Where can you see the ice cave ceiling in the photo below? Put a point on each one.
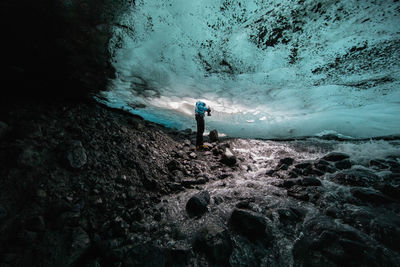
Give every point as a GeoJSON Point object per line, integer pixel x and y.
{"type": "Point", "coordinates": [267, 68]}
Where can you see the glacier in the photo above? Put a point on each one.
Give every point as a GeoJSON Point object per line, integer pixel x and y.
{"type": "Point", "coordinates": [268, 69]}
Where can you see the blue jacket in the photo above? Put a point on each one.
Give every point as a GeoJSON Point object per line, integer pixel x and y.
{"type": "Point", "coordinates": [200, 108]}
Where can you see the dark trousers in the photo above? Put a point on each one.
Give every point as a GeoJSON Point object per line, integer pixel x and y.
{"type": "Point", "coordinates": [200, 129]}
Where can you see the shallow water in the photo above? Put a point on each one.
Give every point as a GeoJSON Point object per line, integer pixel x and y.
{"type": "Point", "coordinates": [250, 182]}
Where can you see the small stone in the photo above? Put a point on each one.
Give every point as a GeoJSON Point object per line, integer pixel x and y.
{"type": "Point", "coordinates": [197, 204]}
{"type": "Point", "coordinates": [76, 155]}
{"type": "Point", "coordinates": [228, 157]}
{"type": "Point", "coordinates": [174, 165]}
{"type": "Point", "coordinates": [40, 193]}
{"type": "Point", "coordinates": [141, 147]}
{"type": "Point", "coordinates": [213, 136]}
{"type": "Point", "coordinates": [122, 179]}
{"type": "Point", "coordinates": [335, 156]}
{"type": "Point", "coordinates": [193, 155]}
{"type": "Point", "coordinates": [179, 154]}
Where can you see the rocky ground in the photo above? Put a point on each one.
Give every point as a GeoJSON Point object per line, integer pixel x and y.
{"type": "Point", "coordinates": [85, 185]}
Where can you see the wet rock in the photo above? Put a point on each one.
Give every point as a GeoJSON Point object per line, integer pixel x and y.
{"type": "Point", "coordinates": [335, 156]}
{"type": "Point", "coordinates": [35, 224]}
{"type": "Point", "coordinates": [316, 172]}
{"type": "Point", "coordinates": [379, 163]}
{"type": "Point", "coordinates": [197, 204]}
{"type": "Point", "coordinates": [310, 181]}
{"type": "Point", "coordinates": [175, 186]}
{"type": "Point", "coordinates": [270, 172]}
{"type": "Point", "coordinates": [298, 192]}
{"type": "Point", "coordinates": [324, 166]}
{"type": "Point", "coordinates": [325, 243]}
{"type": "Point", "coordinates": [215, 242]}
{"type": "Point", "coordinates": [287, 215]}
{"type": "Point", "coordinates": [213, 136]}
{"type": "Point", "coordinates": [282, 167]}
{"type": "Point", "coordinates": [76, 155]}
{"type": "Point", "coordinates": [304, 165]}
{"type": "Point", "coordinates": [385, 228]}
{"type": "Point", "coordinates": [188, 182]}
{"type": "Point", "coordinates": [332, 211]}
{"type": "Point", "coordinates": [228, 157]}
{"type": "Point", "coordinates": [369, 195]}
{"type": "Point", "coordinates": [218, 200]}
{"type": "Point", "coordinates": [250, 224]}
{"type": "Point", "coordinates": [288, 161]}
{"type": "Point", "coordinates": [356, 177]}
{"type": "Point", "coordinates": [392, 191]}
{"type": "Point", "coordinates": [3, 130]}
{"type": "Point", "coordinates": [343, 164]}
{"type": "Point", "coordinates": [290, 182]}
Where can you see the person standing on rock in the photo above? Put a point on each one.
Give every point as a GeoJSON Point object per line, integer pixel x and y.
{"type": "Point", "coordinates": [199, 111]}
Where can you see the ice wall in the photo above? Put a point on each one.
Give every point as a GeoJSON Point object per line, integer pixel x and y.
{"type": "Point", "coordinates": [267, 68]}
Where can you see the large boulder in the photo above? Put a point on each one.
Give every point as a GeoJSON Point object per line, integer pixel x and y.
{"type": "Point", "coordinates": [215, 242]}
{"type": "Point", "coordinates": [356, 177]}
{"type": "Point", "coordinates": [327, 243]}
{"type": "Point", "coordinates": [197, 204]}
{"type": "Point", "coordinates": [250, 224]}
{"type": "Point", "coordinates": [335, 156]}
{"type": "Point", "coordinates": [369, 195]}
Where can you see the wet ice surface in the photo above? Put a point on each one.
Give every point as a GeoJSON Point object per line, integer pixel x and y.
{"type": "Point", "coordinates": [332, 205]}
